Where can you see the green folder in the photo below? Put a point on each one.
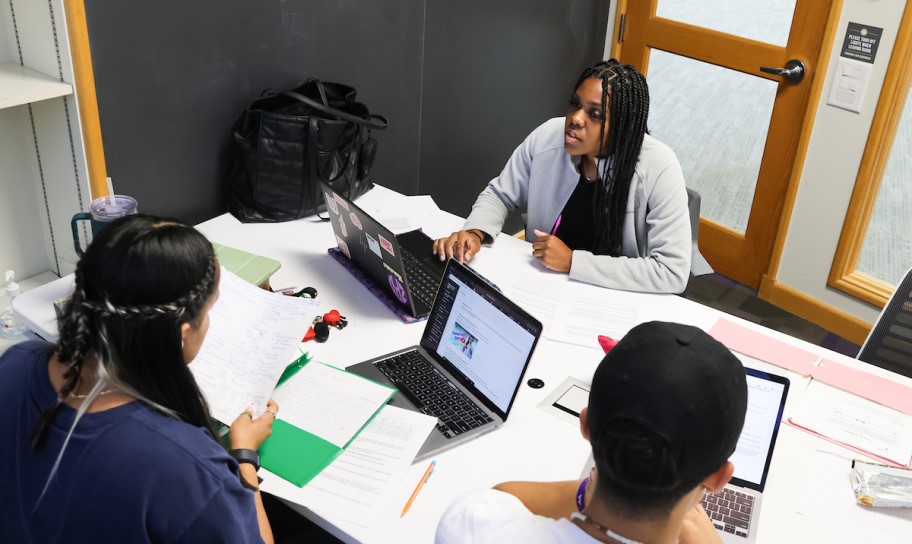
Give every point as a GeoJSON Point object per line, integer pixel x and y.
{"type": "Point", "coordinates": [251, 268]}
{"type": "Point", "coordinates": [297, 455]}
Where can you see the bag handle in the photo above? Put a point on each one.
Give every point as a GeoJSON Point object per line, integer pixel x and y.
{"type": "Point", "coordinates": [374, 121]}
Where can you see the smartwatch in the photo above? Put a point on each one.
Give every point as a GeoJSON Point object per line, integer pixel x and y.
{"type": "Point", "coordinates": [246, 456]}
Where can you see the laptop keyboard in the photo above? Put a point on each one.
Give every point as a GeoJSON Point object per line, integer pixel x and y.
{"type": "Point", "coordinates": [422, 284]}
{"type": "Point", "coordinates": [433, 393]}
{"type": "Point", "coordinates": [729, 510]}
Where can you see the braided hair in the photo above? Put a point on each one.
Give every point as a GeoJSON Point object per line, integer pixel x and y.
{"type": "Point", "coordinates": [629, 110]}
{"type": "Point", "coordinates": [139, 281]}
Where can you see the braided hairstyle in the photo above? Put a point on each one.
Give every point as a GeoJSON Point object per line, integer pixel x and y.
{"type": "Point", "coordinates": [629, 109]}
{"type": "Point", "coordinates": [139, 280]}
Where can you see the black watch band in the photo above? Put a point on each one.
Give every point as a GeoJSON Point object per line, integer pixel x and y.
{"type": "Point", "coordinates": [246, 456]}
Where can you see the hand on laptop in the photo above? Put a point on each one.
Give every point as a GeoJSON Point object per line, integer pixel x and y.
{"type": "Point", "coordinates": [461, 245]}
{"type": "Point", "coordinates": [697, 528]}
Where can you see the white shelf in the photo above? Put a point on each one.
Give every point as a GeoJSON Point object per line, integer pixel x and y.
{"type": "Point", "coordinates": [20, 85]}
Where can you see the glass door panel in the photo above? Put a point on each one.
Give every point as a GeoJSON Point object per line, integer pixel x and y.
{"type": "Point", "coordinates": [887, 250]}
{"type": "Point", "coordinates": [766, 21]}
{"type": "Point", "coordinates": [716, 120]}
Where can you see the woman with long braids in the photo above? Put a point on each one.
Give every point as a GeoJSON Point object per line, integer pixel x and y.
{"type": "Point", "coordinates": [605, 201]}
{"type": "Point", "coordinates": [105, 435]}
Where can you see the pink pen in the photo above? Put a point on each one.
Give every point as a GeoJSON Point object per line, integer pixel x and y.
{"type": "Point", "coordinates": [556, 224]}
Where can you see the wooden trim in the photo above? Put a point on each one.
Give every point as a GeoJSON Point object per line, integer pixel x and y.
{"type": "Point", "coordinates": [823, 60]}
{"type": "Point", "coordinates": [884, 126]}
{"type": "Point", "coordinates": [823, 315]}
{"type": "Point", "coordinates": [740, 54]}
{"type": "Point", "coordinates": [86, 96]}
{"type": "Point", "coordinates": [865, 287]}
{"type": "Point", "coordinates": [615, 46]}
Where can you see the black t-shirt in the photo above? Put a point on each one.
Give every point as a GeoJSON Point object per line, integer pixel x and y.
{"type": "Point", "coordinates": [577, 225]}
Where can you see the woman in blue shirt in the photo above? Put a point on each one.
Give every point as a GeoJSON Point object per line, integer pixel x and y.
{"type": "Point", "coordinates": [106, 436]}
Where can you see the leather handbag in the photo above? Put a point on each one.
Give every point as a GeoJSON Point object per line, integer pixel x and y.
{"type": "Point", "coordinates": [287, 143]}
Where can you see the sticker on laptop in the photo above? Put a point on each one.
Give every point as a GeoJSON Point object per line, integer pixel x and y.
{"type": "Point", "coordinates": [356, 221]}
{"type": "Point", "coordinates": [373, 245]}
{"type": "Point", "coordinates": [343, 247]}
{"type": "Point", "coordinates": [396, 286]}
{"type": "Point", "coordinates": [342, 226]}
{"type": "Point", "coordinates": [341, 201]}
{"type": "Point", "coordinates": [332, 203]}
{"type": "Point", "coordinates": [386, 245]}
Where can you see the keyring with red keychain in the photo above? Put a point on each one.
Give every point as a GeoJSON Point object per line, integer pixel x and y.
{"type": "Point", "coordinates": [319, 332]}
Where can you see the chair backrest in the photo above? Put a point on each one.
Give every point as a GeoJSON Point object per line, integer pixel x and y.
{"type": "Point", "coordinates": [889, 345]}
{"type": "Point", "coordinates": [698, 264]}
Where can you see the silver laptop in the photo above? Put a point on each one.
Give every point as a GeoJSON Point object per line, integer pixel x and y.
{"type": "Point", "coordinates": [474, 351]}
{"type": "Point", "coordinates": [735, 510]}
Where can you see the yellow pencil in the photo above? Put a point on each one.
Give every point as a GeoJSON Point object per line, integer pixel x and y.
{"type": "Point", "coordinates": [424, 479]}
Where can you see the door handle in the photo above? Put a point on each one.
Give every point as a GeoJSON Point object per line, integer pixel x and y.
{"type": "Point", "coordinates": [794, 71]}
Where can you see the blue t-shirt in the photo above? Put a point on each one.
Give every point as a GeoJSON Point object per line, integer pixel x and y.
{"type": "Point", "coordinates": [129, 474]}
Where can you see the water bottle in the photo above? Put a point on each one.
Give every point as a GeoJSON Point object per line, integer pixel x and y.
{"type": "Point", "coordinates": [10, 327]}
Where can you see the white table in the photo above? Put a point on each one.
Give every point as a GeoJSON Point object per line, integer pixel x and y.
{"type": "Point", "coordinates": [532, 445]}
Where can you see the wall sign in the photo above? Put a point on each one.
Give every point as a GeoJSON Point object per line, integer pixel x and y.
{"type": "Point", "coordinates": [861, 42]}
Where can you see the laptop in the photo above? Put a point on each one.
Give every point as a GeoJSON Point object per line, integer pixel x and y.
{"type": "Point", "coordinates": [402, 266]}
{"type": "Point", "coordinates": [469, 365]}
{"type": "Point", "coordinates": [735, 510]}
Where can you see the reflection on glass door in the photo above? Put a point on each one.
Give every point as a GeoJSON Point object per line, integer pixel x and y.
{"type": "Point", "coordinates": [717, 129]}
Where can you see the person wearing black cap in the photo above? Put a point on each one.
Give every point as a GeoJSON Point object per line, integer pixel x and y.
{"type": "Point", "coordinates": [665, 411]}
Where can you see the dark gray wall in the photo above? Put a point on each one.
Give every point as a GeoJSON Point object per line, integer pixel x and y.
{"type": "Point", "coordinates": [461, 82]}
{"type": "Point", "coordinates": [493, 71]}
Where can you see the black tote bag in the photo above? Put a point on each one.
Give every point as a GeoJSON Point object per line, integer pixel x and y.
{"type": "Point", "coordinates": [286, 143]}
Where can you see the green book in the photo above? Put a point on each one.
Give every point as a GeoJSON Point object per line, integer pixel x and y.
{"type": "Point", "coordinates": [251, 268]}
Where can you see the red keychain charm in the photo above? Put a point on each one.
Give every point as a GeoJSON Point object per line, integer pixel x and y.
{"type": "Point", "coordinates": [334, 319]}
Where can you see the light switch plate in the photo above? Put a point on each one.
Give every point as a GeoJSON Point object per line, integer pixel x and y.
{"type": "Point", "coordinates": [849, 84]}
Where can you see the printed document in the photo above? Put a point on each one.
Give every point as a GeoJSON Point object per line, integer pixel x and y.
{"type": "Point", "coordinates": [252, 337]}
{"type": "Point", "coordinates": [358, 486]}
{"type": "Point", "coordinates": [330, 403]}
{"type": "Point", "coordinates": [855, 422]}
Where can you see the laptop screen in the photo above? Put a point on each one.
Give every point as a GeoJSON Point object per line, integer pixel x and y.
{"type": "Point", "coordinates": [766, 395]}
{"type": "Point", "coordinates": [480, 337]}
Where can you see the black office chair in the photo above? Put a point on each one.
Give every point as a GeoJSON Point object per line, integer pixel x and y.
{"type": "Point", "coordinates": [698, 264]}
{"type": "Point", "coordinates": [889, 345]}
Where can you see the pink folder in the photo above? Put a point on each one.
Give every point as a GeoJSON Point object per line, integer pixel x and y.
{"type": "Point", "coordinates": [760, 346]}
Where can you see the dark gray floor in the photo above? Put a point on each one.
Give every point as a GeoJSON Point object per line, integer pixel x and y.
{"type": "Point", "coordinates": [729, 296]}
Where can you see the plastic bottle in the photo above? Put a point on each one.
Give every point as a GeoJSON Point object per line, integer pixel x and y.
{"type": "Point", "coordinates": [10, 327]}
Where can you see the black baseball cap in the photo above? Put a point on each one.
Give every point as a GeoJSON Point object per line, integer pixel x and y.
{"type": "Point", "coordinates": [681, 384]}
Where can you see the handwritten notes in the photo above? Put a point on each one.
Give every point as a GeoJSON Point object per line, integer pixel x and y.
{"type": "Point", "coordinates": [330, 403]}
{"type": "Point", "coordinates": [252, 337]}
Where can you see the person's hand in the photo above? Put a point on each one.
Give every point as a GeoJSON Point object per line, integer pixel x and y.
{"type": "Point", "coordinates": [551, 251]}
{"type": "Point", "coordinates": [697, 529]}
{"type": "Point", "coordinates": [462, 245]}
{"type": "Point", "coordinates": [249, 433]}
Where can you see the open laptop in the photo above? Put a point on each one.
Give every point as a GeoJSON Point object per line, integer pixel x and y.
{"type": "Point", "coordinates": [735, 510]}
{"type": "Point", "coordinates": [474, 351]}
{"type": "Point", "coordinates": [402, 266]}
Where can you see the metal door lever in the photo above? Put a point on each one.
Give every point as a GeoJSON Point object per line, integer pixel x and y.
{"type": "Point", "coordinates": [794, 71]}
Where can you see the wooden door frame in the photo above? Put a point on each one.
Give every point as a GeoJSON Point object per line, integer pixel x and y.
{"type": "Point", "coordinates": [775, 194]}
{"type": "Point", "coordinates": [844, 274]}
{"type": "Point", "coordinates": [86, 97]}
